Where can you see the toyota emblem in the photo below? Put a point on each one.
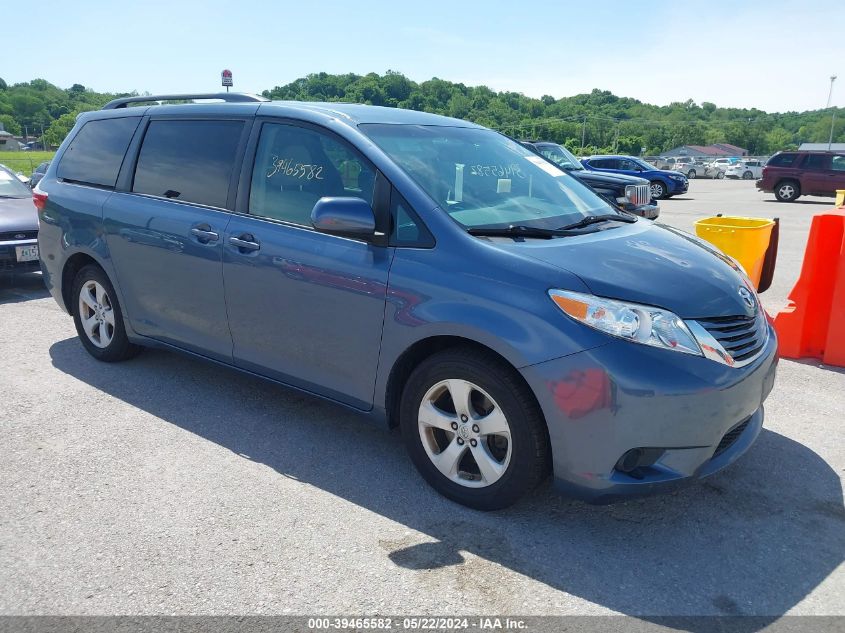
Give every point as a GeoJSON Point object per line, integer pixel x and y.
{"type": "Point", "coordinates": [747, 297]}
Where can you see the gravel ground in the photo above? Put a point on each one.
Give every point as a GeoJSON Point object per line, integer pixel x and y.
{"type": "Point", "coordinates": [167, 486]}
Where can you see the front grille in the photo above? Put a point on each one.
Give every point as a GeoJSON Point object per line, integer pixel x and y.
{"type": "Point", "coordinates": [742, 336]}
{"type": "Point", "coordinates": [642, 194]}
{"type": "Point", "coordinates": [731, 436]}
{"type": "Point", "coordinates": [9, 236]}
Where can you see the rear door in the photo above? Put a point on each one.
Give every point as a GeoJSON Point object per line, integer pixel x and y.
{"type": "Point", "coordinates": [815, 173]}
{"type": "Point", "coordinates": [165, 233]}
{"type": "Point", "coordinates": [304, 308]}
{"type": "Point", "coordinates": [837, 171]}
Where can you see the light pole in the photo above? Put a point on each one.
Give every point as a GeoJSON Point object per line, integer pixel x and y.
{"type": "Point", "coordinates": [832, 115]}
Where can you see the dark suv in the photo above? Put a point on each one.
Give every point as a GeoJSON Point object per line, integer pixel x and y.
{"type": "Point", "coordinates": [793, 174]}
{"type": "Point", "coordinates": [630, 193]}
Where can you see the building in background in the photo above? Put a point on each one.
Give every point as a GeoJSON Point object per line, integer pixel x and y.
{"type": "Point", "coordinates": [8, 143]}
{"type": "Point", "coordinates": [822, 147]}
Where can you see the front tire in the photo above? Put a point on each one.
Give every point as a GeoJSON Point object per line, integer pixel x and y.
{"type": "Point", "coordinates": [658, 190]}
{"type": "Point", "coordinates": [473, 429]}
{"type": "Point", "coordinates": [98, 317]}
{"type": "Point", "coordinates": [747, 175]}
{"type": "Point", "coordinates": [787, 191]}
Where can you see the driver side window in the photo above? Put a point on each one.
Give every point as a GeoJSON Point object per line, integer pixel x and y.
{"type": "Point", "coordinates": [296, 166]}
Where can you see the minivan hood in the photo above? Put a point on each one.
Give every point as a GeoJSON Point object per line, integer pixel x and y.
{"type": "Point", "coordinates": [646, 263]}
{"type": "Point", "coordinates": [18, 214]}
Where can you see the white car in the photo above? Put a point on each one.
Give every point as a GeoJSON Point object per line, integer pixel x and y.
{"type": "Point", "coordinates": [746, 169]}
{"type": "Point", "coordinates": [717, 167]}
{"type": "Point", "coordinates": [688, 166]}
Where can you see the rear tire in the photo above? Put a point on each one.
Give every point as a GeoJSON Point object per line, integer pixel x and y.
{"type": "Point", "coordinates": [98, 317]}
{"type": "Point", "coordinates": [787, 191]}
{"type": "Point", "coordinates": [747, 175]}
{"type": "Point", "coordinates": [691, 175]}
{"type": "Point", "coordinates": [474, 410]}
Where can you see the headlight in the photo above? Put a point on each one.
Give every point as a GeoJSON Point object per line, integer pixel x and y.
{"type": "Point", "coordinates": [631, 193]}
{"type": "Point", "coordinates": [633, 322]}
{"type": "Point", "coordinates": [677, 177]}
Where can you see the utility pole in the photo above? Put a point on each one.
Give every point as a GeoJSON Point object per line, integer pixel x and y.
{"type": "Point", "coordinates": [583, 131]}
{"type": "Point", "coordinates": [832, 115]}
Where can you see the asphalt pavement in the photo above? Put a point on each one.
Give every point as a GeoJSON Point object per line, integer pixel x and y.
{"type": "Point", "coordinates": [164, 485]}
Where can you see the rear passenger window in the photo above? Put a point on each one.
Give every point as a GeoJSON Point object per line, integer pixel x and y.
{"type": "Point", "coordinates": [95, 154]}
{"type": "Point", "coordinates": [296, 166]}
{"type": "Point", "coordinates": [837, 163]}
{"type": "Point", "coordinates": [816, 161]}
{"type": "Point", "coordinates": [191, 161]}
{"type": "Point", "coordinates": [781, 160]}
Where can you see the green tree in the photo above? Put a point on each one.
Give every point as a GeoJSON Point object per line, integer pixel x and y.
{"type": "Point", "coordinates": [10, 125]}
{"type": "Point", "coordinates": [59, 129]}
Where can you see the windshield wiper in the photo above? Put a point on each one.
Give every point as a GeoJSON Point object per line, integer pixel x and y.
{"type": "Point", "coordinates": [518, 230]}
{"type": "Point", "coordinates": [595, 219]}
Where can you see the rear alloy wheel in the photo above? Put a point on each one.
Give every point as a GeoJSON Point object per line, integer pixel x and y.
{"type": "Point", "coordinates": [98, 319]}
{"type": "Point", "coordinates": [787, 191]}
{"type": "Point", "coordinates": [473, 429]}
{"type": "Point", "coordinates": [658, 190]}
{"type": "Point", "coordinates": [747, 175]}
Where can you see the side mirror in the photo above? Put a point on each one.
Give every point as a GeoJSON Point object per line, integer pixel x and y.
{"type": "Point", "coordinates": [346, 217]}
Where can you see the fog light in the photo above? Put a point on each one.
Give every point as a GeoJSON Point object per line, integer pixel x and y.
{"type": "Point", "coordinates": [638, 458]}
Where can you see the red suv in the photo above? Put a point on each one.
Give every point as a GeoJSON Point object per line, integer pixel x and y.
{"type": "Point", "coordinates": [793, 174]}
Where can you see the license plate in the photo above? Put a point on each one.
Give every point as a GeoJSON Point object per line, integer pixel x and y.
{"type": "Point", "coordinates": [26, 253]}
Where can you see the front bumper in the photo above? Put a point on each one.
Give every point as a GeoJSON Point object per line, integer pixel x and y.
{"type": "Point", "coordinates": [648, 211]}
{"type": "Point", "coordinates": [676, 187]}
{"type": "Point", "coordinates": [601, 403]}
{"type": "Point", "coordinates": [9, 260]}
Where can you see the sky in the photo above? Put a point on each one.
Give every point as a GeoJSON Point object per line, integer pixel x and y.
{"type": "Point", "coordinates": [770, 54]}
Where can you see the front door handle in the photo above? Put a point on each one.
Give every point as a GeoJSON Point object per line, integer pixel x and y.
{"type": "Point", "coordinates": [204, 234]}
{"type": "Point", "coordinates": [245, 242]}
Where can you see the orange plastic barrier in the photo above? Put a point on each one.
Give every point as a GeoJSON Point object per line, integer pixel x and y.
{"type": "Point", "coordinates": [813, 324]}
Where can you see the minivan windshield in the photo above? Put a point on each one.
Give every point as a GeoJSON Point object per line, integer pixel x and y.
{"type": "Point", "coordinates": [11, 187]}
{"type": "Point", "coordinates": [483, 179]}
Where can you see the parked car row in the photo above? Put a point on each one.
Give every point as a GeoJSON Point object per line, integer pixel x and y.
{"type": "Point", "coordinates": [663, 183]}
{"type": "Point", "coordinates": [630, 193]}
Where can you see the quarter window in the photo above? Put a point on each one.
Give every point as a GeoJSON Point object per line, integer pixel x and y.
{"type": "Point", "coordinates": [189, 161]}
{"type": "Point", "coordinates": [837, 163]}
{"type": "Point", "coordinates": [296, 166]}
{"type": "Point", "coordinates": [781, 160]}
{"type": "Point", "coordinates": [96, 152]}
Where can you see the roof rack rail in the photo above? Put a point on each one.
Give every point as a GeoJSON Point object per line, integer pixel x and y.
{"type": "Point", "coordinates": [229, 97]}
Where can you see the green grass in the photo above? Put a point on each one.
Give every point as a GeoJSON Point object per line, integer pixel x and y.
{"type": "Point", "coordinates": [24, 162]}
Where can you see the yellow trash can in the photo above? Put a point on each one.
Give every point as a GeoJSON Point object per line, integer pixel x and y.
{"type": "Point", "coordinates": [744, 239]}
{"type": "Point", "coordinates": [840, 197]}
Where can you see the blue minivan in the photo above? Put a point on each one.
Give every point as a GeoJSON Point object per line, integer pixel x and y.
{"type": "Point", "coordinates": [664, 183]}
{"type": "Point", "coordinates": [426, 271]}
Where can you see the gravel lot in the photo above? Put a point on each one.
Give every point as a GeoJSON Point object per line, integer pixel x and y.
{"type": "Point", "coordinates": [168, 486]}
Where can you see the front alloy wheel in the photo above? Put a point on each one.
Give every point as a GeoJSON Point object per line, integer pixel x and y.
{"type": "Point", "coordinates": [465, 433]}
{"type": "Point", "coordinates": [473, 428]}
{"type": "Point", "coordinates": [658, 190]}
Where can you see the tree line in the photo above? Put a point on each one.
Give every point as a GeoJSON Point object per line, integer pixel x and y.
{"type": "Point", "coordinates": [598, 122]}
